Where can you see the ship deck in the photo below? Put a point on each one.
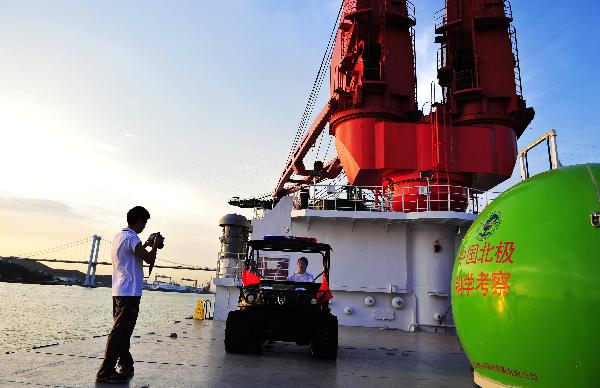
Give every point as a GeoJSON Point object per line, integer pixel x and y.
{"type": "Point", "coordinates": [367, 357]}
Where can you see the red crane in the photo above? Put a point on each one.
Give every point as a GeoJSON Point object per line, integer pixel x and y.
{"type": "Point", "coordinates": [468, 139]}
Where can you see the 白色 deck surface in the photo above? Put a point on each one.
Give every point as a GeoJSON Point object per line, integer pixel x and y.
{"type": "Point", "coordinates": [366, 358]}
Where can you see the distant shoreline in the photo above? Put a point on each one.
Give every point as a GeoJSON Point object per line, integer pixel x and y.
{"type": "Point", "coordinates": [60, 283]}
{"type": "Point", "coordinates": [23, 270]}
{"type": "Point", "coordinates": [26, 271]}
{"type": "Point", "coordinates": [49, 283]}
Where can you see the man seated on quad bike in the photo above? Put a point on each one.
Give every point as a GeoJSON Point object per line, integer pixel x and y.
{"type": "Point", "coordinates": [301, 275]}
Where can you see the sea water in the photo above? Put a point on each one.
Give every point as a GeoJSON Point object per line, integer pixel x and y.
{"type": "Point", "coordinates": [34, 315]}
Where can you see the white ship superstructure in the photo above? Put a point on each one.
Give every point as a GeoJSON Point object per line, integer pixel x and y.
{"type": "Point", "coordinates": [388, 269]}
{"type": "Point", "coordinates": [415, 176]}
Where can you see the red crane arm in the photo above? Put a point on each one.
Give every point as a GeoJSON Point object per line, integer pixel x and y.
{"type": "Point", "coordinates": [296, 163]}
{"type": "Point", "coordinates": [331, 170]}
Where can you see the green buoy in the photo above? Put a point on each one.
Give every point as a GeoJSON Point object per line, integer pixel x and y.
{"type": "Point", "coordinates": [526, 283]}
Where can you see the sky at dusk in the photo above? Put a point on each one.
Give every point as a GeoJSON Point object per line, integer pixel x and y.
{"type": "Point", "coordinates": [179, 105]}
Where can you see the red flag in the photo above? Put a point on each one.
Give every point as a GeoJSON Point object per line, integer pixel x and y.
{"type": "Point", "coordinates": [324, 294]}
{"type": "Point", "coordinates": [248, 278]}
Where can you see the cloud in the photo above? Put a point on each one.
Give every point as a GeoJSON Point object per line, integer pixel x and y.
{"type": "Point", "coordinates": [130, 135]}
{"type": "Point", "coordinates": [37, 206]}
{"type": "Point", "coordinates": [105, 147]}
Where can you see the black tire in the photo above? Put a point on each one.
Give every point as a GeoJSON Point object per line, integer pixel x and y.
{"type": "Point", "coordinates": [324, 343]}
{"type": "Point", "coordinates": [239, 336]}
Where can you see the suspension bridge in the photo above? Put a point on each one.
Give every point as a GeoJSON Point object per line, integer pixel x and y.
{"type": "Point", "coordinates": [76, 252]}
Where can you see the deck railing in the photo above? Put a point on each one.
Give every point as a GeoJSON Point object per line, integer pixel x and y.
{"type": "Point", "coordinates": [409, 198]}
{"type": "Point", "coordinates": [479, 9]}
{"type": "Point", "coordinates": [493, 7]}
{"type": "Point", "coordinates": [354, 6]}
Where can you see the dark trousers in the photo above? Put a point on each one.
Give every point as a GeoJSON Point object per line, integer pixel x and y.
{"type": "Point", "coordinates": [125, 313]}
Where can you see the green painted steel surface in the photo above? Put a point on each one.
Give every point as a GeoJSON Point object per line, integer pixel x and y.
{"type": "Point", "coordinates": [526, 292]}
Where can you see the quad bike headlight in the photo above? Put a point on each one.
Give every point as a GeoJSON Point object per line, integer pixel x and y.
{"type": "Point", "coordinates": [313, 301]}
{"type": "Point", "coordinates": [250, 298]}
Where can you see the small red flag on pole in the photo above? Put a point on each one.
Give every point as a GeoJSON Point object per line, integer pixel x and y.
{"type": "Point", "coordinates": [248, 278]}
{"type": "Point", "coordinates": [324, 294]}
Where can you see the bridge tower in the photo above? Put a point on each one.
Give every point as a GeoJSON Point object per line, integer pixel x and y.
{"type": "Point", "coordinates": [90, 276]}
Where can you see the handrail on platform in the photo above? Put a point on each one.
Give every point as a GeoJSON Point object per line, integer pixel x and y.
{"type": "Point", "coordinates": [550, 139]}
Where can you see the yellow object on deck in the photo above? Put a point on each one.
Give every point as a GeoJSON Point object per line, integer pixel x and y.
{"type": "Point", "coordinates": [199, 311]}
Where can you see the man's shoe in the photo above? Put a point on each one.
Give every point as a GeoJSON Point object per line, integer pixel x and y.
{"type": "Point", "coordinates": [126, 371]}
{"type": "Point", "coordinates": [111, 378]}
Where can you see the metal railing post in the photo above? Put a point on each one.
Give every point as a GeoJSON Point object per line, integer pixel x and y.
{"type": "Point", "coordinates": [554, 150]}
{"type": "Point", "coordinates": [428, 205]}
{"type": "Point", "coordinates": [470, 201]}
{"type": "Point", "coordinates": [522, 165]}
{"type": "Point", "coordinates": [403, 208]}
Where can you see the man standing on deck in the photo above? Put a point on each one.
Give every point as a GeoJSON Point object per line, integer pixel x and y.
{"type": "Point", "coordinates": [128, 255]}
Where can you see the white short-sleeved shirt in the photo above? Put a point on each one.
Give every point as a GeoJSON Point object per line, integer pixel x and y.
{"type": "Point", "coordinates": [305, 277]}
{"type": "Point", "coordinates": [128, 270]}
